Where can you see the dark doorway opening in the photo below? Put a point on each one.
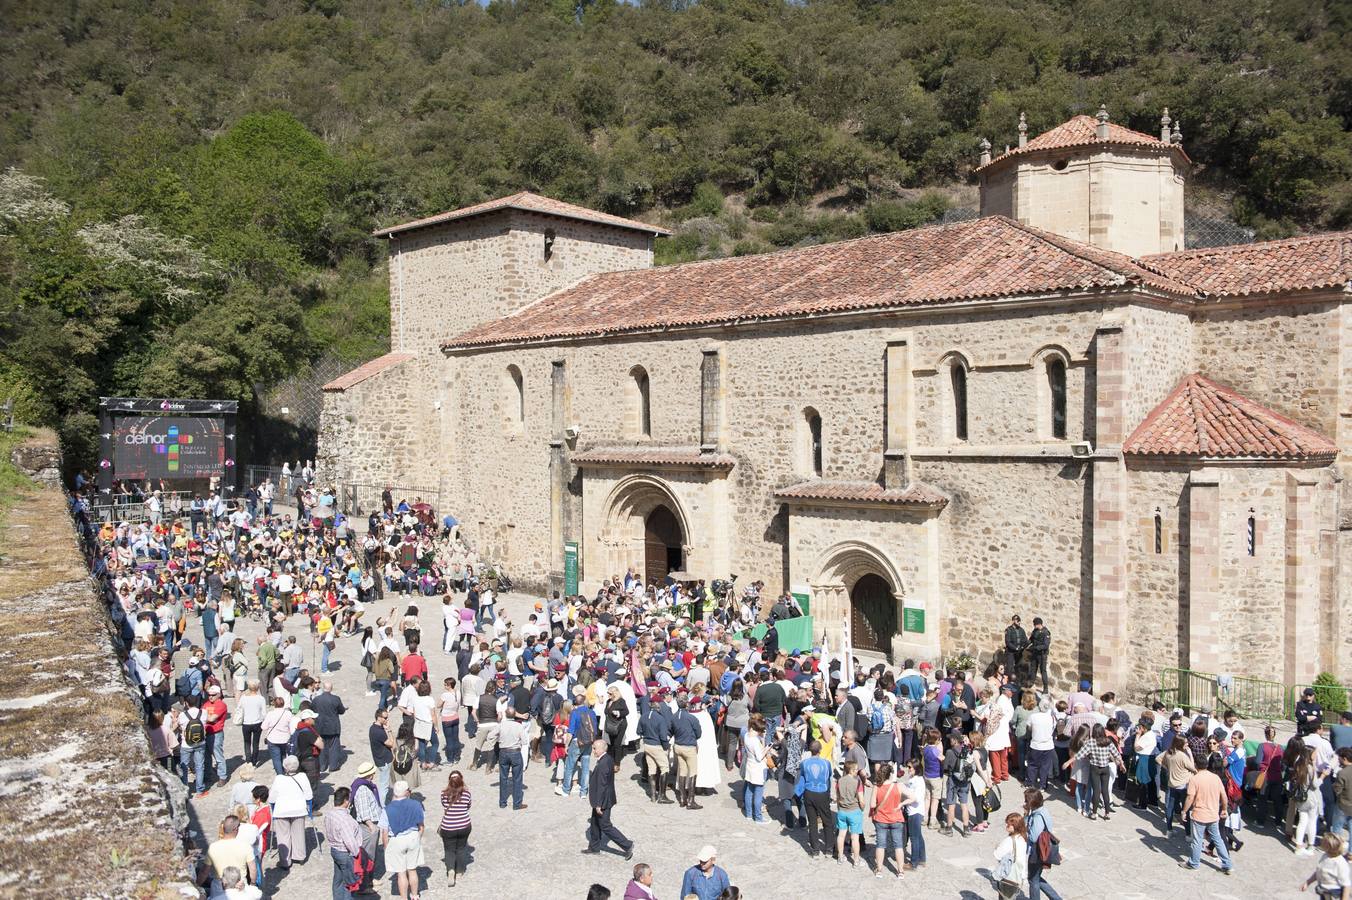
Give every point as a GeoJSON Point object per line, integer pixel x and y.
{"type": "Point", "coordinates": [873, 615]}
{"type": "Point", "coordinates": [663, 545]}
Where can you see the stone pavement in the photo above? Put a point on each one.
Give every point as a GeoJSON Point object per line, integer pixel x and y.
{"type": "Point", "coordinates": [535, 853]}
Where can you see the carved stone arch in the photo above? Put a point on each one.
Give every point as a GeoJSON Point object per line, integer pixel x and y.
{"type": "Point", "coordinates": [839, 570]}
{"type": "Point", "coordinates": [624, 516]}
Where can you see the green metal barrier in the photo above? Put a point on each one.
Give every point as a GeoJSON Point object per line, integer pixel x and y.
{"type": "Point", "coordinates": [1324, 694]}
{"type": "Point", "coordinates": [1252, 698]}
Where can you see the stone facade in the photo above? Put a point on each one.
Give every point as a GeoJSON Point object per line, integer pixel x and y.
{"type": "Point", "coordinates": [1136, 563]}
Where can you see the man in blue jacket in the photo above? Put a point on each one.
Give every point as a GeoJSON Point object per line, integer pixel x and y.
{"type": "Point", "coordinates": [705, 880]}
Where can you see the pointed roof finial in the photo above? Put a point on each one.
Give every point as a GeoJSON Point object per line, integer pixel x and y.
{"type": "Point", "coordinates": [1101, 132]}
{"type": "Point", "coordinates": [1164, 126]}
{"type": "Point", "coordinates": [1023, 130]}
{"type": "Point", "coordinates": [1176, 137]}
{"type": "Point", "coordinates": [985, 146]}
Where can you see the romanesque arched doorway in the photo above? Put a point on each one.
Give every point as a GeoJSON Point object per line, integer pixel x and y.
{"type": "Point", "coordinates": [873, 614]}
{"type": "Point", "coordinates": [663, 544]}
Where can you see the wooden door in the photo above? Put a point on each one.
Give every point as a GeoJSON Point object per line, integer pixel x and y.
{"type": "Point", "coordinates": [873, 615]}
{"type": "Point", "coordinates": [662, 536]}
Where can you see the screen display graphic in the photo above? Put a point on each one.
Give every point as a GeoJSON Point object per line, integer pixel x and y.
{"type": "Point", "coordinates": [170, 447]}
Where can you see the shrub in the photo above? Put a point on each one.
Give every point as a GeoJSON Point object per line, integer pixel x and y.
{"type": "Point", "coordinates": [1329, 694]}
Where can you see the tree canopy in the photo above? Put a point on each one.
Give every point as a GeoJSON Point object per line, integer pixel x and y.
{"type": "Point", "coordinates": [193, 185]}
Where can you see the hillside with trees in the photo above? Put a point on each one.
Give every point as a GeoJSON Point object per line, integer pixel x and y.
{"type": "Point", "coordinates": [189, 188]}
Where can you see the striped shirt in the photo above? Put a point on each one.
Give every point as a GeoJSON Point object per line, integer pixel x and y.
{"type": "Point", "coordinates": [455, 816]}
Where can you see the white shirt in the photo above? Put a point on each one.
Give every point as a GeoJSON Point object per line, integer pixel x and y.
{"type": "Point", "coordinates": [1041, 728]}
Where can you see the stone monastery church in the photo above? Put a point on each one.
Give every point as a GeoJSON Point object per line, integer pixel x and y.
{"type": "Point", "coordinates": [1054, 409]}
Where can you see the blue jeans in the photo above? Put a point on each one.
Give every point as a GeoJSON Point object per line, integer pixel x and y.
{"type": "Point", "coordinates": [471, 724]}
{"type": "Point", "coordinates": [324, 659]}
{"type": "Point", "coordinates": [216, 742]}
{"type": "Point", "coordinates": [578, 759]}
{"type": "Point", "coordinates": [343, 873]}
{"type": "Point", "coordinates": [752, 796]}
{"type": "Point", "coordinates": [194, 758]}
{"type": "Point", "coordinates": [1340, 823]}
{"type": "Point", "coordinates": [276, 751]}
{"type": "Point", "coordinates": [425, 752]}
{"type": "Point", "coordinates": [915, 836]}
{"type": "Point", "coordinates": [383, 686]}
{"type": "Point", "coordinates": [1037, 887]}
{"type": "Point", "coordinates": [510, 770]}
{"type": "Point", "coordinates": [1173, 802]}
{"type": "Point", "coordinates": [486, 616]}
{"type": "Point", "coordinates": [451, 731]}
{"type": "Point", "coordinates": [1200, 833]}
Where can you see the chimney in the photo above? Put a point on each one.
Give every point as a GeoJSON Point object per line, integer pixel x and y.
{"type": "Point", "coordinates": [1164, 126]}
{"type": "Point", "coordinates": [1101, 132]}
{"type": "Point", "coordinates": [985, 151]}
{"type": "Point", "coordinates": [1177, 136]}
{"type": "Point", "coordinates": [1023, 130]}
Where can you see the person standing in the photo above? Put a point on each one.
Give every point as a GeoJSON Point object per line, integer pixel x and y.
{"type": "Point", "coordinates": [216, 714]}
{"type": "Point", "coordinates": [403, 851]}
{"type": "Point", "coordinates": [345, 841]}
{"type": "Point", "coordinates": [706, 879]}
{"type": "Point", "coordinates": [755, 768]}
{"type": "Point", "coordinates": [814, 786]}
{"type": "Point", "coordinates": [1037, 820]}
{"type": "Point", "coordinates": [382, 750]}
{"type": "Point", "coordinates": [455, 826]}
{"type": "Point", "coordinates": [1039, 648]}
{"type": "Point", "coordinates": [513, 744]}
{"type": "Point", "coordinates": [1207, 804]}
{"type": "Point", "coordinates": [291, 794]}
{"type": "Point", "coordinates": [368, 808]}
{"type": "Point", "coordinates": [328, 708]}
{"type": "Point", "coordinates": [601, 797]}
{"type": "Point", "coordinates": [1016, 642]}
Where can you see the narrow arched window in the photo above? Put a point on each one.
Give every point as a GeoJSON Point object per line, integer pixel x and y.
{"type": "Point", "coordinates": [641, 402]}
{"type": "Point", "coordinates": [957, 374]}
{"type": "Point", "coordinates": [1159, 533]}
{"type": "Point", "coordinates": [1251, 535]}
{"type": "Point", "coordinates": [1056, 395]}
{"type": "Point", "coordinates": [514, 397]}
{"type": "Point", "coordinates": [549, 244]}
{"type": "Point", "coordinates": [814, 426]}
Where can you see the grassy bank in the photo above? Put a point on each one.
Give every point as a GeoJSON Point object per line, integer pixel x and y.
{"type": "Point", "coordinates": [14, 485]}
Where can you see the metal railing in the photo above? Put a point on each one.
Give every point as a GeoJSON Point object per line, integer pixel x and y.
{"type": "Point", "coordinates": [1252, 698]}
{"type": "Point", "coordinates": [1323, 694]}
{"type": "Point", "coordinates": [136, 511]}
{"type": "Point", "coordinates": [360, 499]}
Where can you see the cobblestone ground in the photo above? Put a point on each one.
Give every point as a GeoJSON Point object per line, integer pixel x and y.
{"type": "Point", "coordinates": [535, 852]}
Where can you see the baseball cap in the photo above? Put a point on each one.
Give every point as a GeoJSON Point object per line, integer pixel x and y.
{"type": "Point", "coordinates": [707, 852]}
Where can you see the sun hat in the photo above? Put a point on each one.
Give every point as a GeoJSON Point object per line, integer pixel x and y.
{"type": "Point", "coordinates": [707, 852]}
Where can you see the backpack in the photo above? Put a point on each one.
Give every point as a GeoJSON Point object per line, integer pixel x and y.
{"type": "Point", "coordinates": [403, 759]}
{"type": "Point", "coordinates": [1233, 792]}
{"type": "Point", "coordinates": [586, 731]}
{"type": "Point", "coordinates": [877, 717]}
{"type": "Point", "coordinates": [194, 732]}
{"type": "Point", "coordinates": [549, 706]}
{"type": "Point", "coordinates": [183, 685]}
{"type": "Point", "coordinates": [962, 773]}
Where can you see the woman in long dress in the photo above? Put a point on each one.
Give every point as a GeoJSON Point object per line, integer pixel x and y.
{"type": "Point", "coordinates": [707, 775]}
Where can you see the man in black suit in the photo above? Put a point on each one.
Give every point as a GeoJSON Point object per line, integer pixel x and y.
{"type": "Point", "coordinates": [328, 707]}
{"type": "Point", "coordinates": [601, 795]}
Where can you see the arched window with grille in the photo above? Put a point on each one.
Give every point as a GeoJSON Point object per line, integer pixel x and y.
{"type": "Point", "coordinates": [1056, 396]}
{"type": "Point", "coordinates": [957, 380]}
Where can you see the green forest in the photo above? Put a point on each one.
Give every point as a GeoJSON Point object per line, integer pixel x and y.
{"type": "Point", "coordinates": [187, 189]}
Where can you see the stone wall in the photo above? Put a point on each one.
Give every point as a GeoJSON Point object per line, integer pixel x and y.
{"type": "Point", "coordinates": [1280, 355]}
{"type": "Point", "coordinates": [1159, 355]}
{"type": "Point", "coordinates": [86, 810]}
{"type": "Point", "coordinates": [1156, 637]}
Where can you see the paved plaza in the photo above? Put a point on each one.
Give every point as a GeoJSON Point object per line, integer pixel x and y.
{"type": "Point", "coordinates": [535, 852]}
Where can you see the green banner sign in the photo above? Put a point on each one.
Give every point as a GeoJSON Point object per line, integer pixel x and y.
{"type": "Point", "coordinates": [570, 568]}
{"type": "Point", "coordinates": [805, 601]}
{"type": "Point", "coordinates": [913, 619]}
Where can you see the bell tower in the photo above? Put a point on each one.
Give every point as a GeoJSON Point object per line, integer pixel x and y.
{"type": "Point", "coordinates": [1092, 181]}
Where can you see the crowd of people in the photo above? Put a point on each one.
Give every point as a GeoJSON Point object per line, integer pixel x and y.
{"type": "Point", "coordinates": [653, 680]}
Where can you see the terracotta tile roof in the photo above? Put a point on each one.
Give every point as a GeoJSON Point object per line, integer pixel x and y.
{"type": "Point", "coordinates": [683, 457]}
{"type": "Point", "coordinates": [1082, 131]}
{"type": "Point", "coordinates": [366, 370]}
{"type": "Point", "coordinates": [917, 493]}
{"type": "Point", "coordinates": [1293, 264]}
{"type": "Point", "coordinates": [1201, 418]}
{"type": "Point", "coordinates": [527, 201]}
{"type": "Point", "coordinates": [988, 257]}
